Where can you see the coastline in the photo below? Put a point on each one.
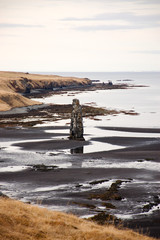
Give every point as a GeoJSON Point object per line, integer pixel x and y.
{"type": "Point", "coordinates": [14, 84]}
{"type": "Point", "coordinates": [69, 171]}
{"type": "Point", "coordinates": [17, 88]}
{"type": "Point", "coordinates": [62, 176]}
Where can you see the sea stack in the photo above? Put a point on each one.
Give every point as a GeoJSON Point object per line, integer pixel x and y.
{"type": "Point", "coordinates": [76, 128]}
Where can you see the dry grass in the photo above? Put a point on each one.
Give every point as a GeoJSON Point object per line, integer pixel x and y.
{"type": "Point", "coordinates": [9, 100]}
{"type": "Point", "coordinates": [13, 82]}
{"type": "Point", "coordinates": [23, 221]}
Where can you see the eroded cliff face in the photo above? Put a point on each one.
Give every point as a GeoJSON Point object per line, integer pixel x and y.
{"type": "Point", "coordinates": [26, 84]}
{"type": "Point", "coordinates": [13, 83]}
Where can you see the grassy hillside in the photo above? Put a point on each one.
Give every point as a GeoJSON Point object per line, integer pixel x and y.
{"type": "Point", "coordinates": [9, 100]}
{"type": "Point", "coordinates": [13, 83]}
{"type": "Point", "coordinates": [23, 221]}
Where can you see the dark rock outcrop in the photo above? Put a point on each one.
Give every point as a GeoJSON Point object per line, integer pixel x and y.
{"type": "Point", "coordinates": [76, 128]}
{"type": "Point", "coordinates": [3, 195]}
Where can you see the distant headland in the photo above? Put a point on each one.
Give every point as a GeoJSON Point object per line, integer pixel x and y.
{"type": "Point", "coordinates": [14, 84]}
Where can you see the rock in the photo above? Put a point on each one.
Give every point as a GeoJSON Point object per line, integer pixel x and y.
{"type": "Point", "coordinates": [108, 205]}
{"type": "Point", "coordinates": [156, 199]}
{"type": "Point", "coordinates": [110, 83]}
{"type": "Point", "coordinates": [150, 205]}
{"type": "Point", "coordinates": [28, 88]}
{"type": "Point", "coordinates": [76, 127]}
{"type": "Point", "coordinates": [104, 218]}
{"type": "Point", "coordinates": [109, 194]}
{"type": "Point", "coordinates": [43, 168]}
{"type": "Point", "coordinates": [3, 195]}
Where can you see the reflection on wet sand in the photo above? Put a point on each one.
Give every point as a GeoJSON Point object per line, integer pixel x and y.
{"type": "Point", "coordinates": [76, 150]}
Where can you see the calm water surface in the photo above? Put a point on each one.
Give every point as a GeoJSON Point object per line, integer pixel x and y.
{"type": "Point", "coordinates": [143, 100]}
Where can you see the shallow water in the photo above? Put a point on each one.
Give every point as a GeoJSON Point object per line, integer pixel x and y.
{"type": "Point", "coordinates": [144, 100]}
{"type": "Point", "coordinates": [92, 130]}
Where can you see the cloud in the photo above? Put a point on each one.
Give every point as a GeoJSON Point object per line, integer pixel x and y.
{"type": "Point", "coordinates": [142, 1]}
{"type": "Point", "coordinates": [106, 27]}
{"type": "Point", "coordinates": [128, 17]}
{"type": "Point", "coordinates": [125, 16]}
{"type": "Point", "coordinates": [133, 1]}
{"type": "Point", "coordinates": [148, 52]}
{"type": "Point", "coordinates": [8, 35]}
{"type": "Point", "coordinates": [150, 1]}
{"type": "Point", "coordinates": [15, 25]}
{"type": "Point", "coordinates": [130, 21]}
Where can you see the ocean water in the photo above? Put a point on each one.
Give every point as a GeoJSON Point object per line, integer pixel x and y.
{"type": "Point", "coordinates": [143, 100]}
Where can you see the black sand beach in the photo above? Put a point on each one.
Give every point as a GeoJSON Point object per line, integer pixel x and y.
{"type": "Point", "coordinates": [77, 185]}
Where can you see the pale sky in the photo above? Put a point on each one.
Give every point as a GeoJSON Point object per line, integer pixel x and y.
{"type": "Point", "coordinates": [80, 35]}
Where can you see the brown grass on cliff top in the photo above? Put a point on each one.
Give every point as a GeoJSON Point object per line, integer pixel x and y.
{"type": "Point", "coordinates": [35, 80]}
{"type": "Point", "coordinates": [13, 82]}
{"type": "Point", "coordinates": [23, 221]}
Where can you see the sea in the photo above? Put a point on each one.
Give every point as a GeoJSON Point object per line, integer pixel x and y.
{"type": "Point", "coordinates": [144, 100]}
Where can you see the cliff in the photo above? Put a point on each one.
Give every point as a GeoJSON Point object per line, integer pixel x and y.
{"type": "Point", "coordinates": [14, 83]}
{"type": "Point", "coordinates": [24, 221]}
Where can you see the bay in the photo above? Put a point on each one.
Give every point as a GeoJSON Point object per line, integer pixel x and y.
{"type": "Point", "coordinates": [143, 100]}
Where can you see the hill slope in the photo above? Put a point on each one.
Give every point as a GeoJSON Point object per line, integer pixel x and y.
{"type": "Point", "coordinates": [23, 221]}
{"type": "Point", "coordinates": [9, 100]}
{"type": "Point", "coordinates": [13, 83]}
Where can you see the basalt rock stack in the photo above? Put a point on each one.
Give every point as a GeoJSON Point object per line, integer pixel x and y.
{"type": "Point", "coordinates": [76, 128]}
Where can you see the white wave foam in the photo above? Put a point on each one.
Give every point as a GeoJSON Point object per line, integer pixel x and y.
{"type": "Point", "coordinates": [155, 166]}
{"type": "Point", "coordinates": [130, 216]}
{"type": "Point", "coordinates": [51, 188]}
{"type": "Point", "coordinates": [13, 168]}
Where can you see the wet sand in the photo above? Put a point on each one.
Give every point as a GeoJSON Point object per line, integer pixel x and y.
{"type": "Point", "coordinates": [76, 181]}
{"type": "Point", "coordinates": [133, 129]}
{"type": "Point", "coordinates": [52, 145]}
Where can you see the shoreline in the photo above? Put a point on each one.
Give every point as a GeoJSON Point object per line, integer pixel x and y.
{"type": "Point", "coordinates": [68, 174]}
{"type": "Point", "coordinates": [61, 176]}
{"type": "Point", "coordinates": [37, 114]}
{"type": "Point", "coordinates": [14, 84]}
{"type": "Point", "coordinates": [17, 88]}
